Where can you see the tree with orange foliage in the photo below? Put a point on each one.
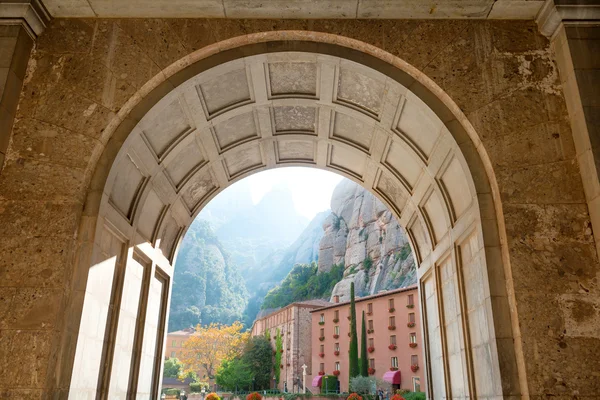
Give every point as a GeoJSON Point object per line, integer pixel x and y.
{"type": "Point", "coordinates": [206, 349]}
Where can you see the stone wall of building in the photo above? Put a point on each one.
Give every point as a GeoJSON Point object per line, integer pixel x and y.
{"type": "Point", "coordinates": [502, 75]}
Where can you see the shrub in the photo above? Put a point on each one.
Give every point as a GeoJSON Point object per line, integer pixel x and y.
{"type": "Point", "coordinates": [354, 396]}
{"type": "Point", "coordinates": [363, 385]}
{"type": "Point", "coordinates": [171, 392]}
{"type": "Point", "coordinates": [196, 387]}
{"type": "Point", "coordinates": [368, 263]}
{"type": "Point", "coordinates": [415, 396]}
{"type": "Point", "coordinates": [254, 396]}
{"type": "Point", "coordinates": [212, 396]}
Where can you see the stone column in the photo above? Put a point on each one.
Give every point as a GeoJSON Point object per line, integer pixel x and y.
{"type": "Point", "coordinates": [574, 30]}
{"type": "Point", "coordinates": [20, 23]}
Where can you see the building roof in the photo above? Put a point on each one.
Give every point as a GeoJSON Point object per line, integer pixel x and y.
{"type": "Point", "coordinates": [373, 296]}
{"type": "Point", "coordinates": [170, 382]}
{"type": "Point", "coordinates": [183, 332]}
{"type": "Point", "coordinates": [303, 304]}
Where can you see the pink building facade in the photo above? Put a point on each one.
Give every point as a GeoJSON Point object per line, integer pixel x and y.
{"type": "Point", "coordinates": [294, 324]}
{"type": "Point", "coordinates": [394, 341]}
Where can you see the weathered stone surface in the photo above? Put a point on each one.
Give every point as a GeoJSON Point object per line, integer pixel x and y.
{"type": "Point", "coordinates": [500, 73]}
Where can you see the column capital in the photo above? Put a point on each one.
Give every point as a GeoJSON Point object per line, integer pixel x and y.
{"type": "Point", "coordinates": [30, 14]}
{"type": "Point", "coordinates": [555, 13]}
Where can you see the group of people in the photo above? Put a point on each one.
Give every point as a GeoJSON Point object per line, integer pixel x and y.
{"type": "Point", "coordinates": [381, 395]}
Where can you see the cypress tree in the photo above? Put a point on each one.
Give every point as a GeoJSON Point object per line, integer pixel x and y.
{"type": "Point", "coordinates": [353, 359]}
{"type": "Point", "coordinates": [364, 362]}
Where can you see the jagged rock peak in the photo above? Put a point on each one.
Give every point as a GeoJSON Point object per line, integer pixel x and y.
{"type": "Point", "coordinates": [363, 234]}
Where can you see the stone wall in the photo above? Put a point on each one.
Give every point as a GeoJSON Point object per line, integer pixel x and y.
{"type": "Point", "coordinates": [501, 74]}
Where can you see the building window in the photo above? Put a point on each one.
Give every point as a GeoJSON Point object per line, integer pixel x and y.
{"type": "Point", "coordinates": [337, 366]}
{"type": "Point", "coordinates": [394, 362]}
{"type": "Point", "coordinates": [336, 330]}
{"type": "Point", "coordinates": [414, 360]}
{"type": "Point", "coordinates": [393, 322]}
{"type": "Point", "coordinates": [412, 337]}
{"type": "Point", "coordinates": [336, 347]}
{"type": "Point", "coordinates": [336, 299]}
{"type": "Point", "coordinates": [336, 315]}
{"type": "Point", "coordinates": [393, 339]}
{"type": "Point", "coordinates": [411, 300]}
{"type": "Point", "coordinates": [370, 325]}
{"type": "Point", "coordinates": [416, 384]}
{"type": "Point", "coordinates": [371, 342]}
{"type": "Point", "coordinates": [370, 308]}
{"type": "Point", "coordinates": [322, 318]}
{"type": "Point", "coordinates": [322, 367]}
{"type": "Point", "coordinates": [322, 332]}
{"type": "Point", "coordinates": [173, 354]}
{"type": "Point", "coordinates": [411, 318]}
{"type": "Point", "coordinates": [391, 303]}
{"type": "Point", "coordinates": [372, 363]}
{"type": "Point", "coordinates": [322, 349]}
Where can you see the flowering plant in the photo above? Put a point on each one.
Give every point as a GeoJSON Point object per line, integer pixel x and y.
{"type": "Point", "coordinates": [392, 309]}
{"type": "Point", "coordinates": [410, 324]}
{"type": "Point", "coordinates": [370, 313]}
{"type": "Point", "coordinates": [410, 306]}
{"type": "Point", "coordinates": [337, 353]}
{"type": "Point", "coordinates": [322, 338]}
{"type": "Point", "coordinates": [371, 349]}
{"type": "Point", "coordinates": [348, 318]}
{"type": "Point", "coordinates": [336, 373]}
{"type": "Point", "coordinates": [414, 367]}
{"type": "Point", "coordinates": [370, 330]}
{"type": "Point", "coordinates": [397, 397]}
{"type": "Point", "coordinates": [349, 334]}
{"type": "Point", "coordinates": [321, 373]}
{"type": "Point", "coordinates": [392, 327]}
{"type": "Point", "coordinates": [392, 347]}
{"type": "Point", "coordinates": [281, 366]}
{"type": "Point", "coordinates": [321, 355]}
{"type": "Point", "coordinates": [336, 336]}
{"type": "Point", "coordinates": [354, 396]}
{"type": "Point", "coordinates": [212, 396]}
{"type": "Point", "coordinates": [321, 322]}
{"type": "Point", "coordinates": [336, 320]}
{"type": "Point", "coordinates": [393, 368]}
{"type": "Point", "coordinates": [371, 371]}
{"type": "Point", "coordinates": [254, 396]}
{"type": "Point", "coordinates": [413, 345]}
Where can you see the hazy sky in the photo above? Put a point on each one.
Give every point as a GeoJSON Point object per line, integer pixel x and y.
{"type": "Point", "coordinates": [310, 187]}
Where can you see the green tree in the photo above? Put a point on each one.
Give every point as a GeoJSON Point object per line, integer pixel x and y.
{"type": "Point", "coordinates": [234, 374]}
{"type": "Point", "coordinates": [258, 355]}
{"type": "Point", "coordinates": [172, 368]}
{"type": "Point", "coordinates": [353, 359]}
{"type": "Point", "coordinates": [278, 354]}
{"type": "Point", "coordinates": [364, 362]}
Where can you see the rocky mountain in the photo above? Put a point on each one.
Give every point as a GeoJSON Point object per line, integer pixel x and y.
{"type": "Point", "coordinates": [207, 286]}
{"type": "Point", "coordinates": [254, 233]}
{"type": "Point", "coordinates": [362, 234]}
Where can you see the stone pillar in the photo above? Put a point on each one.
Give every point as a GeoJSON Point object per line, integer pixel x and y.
{"type": "Point", "coordinates": [574, 30]}
{"type": "Point", "coordinates": [20, 23]}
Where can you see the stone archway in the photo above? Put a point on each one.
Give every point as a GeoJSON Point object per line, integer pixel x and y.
{"type": "Point", "coordinates": [293, 98]}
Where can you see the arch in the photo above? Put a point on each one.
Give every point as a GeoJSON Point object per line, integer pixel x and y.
{"type": "Point", "coordinates": [446, 196]}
